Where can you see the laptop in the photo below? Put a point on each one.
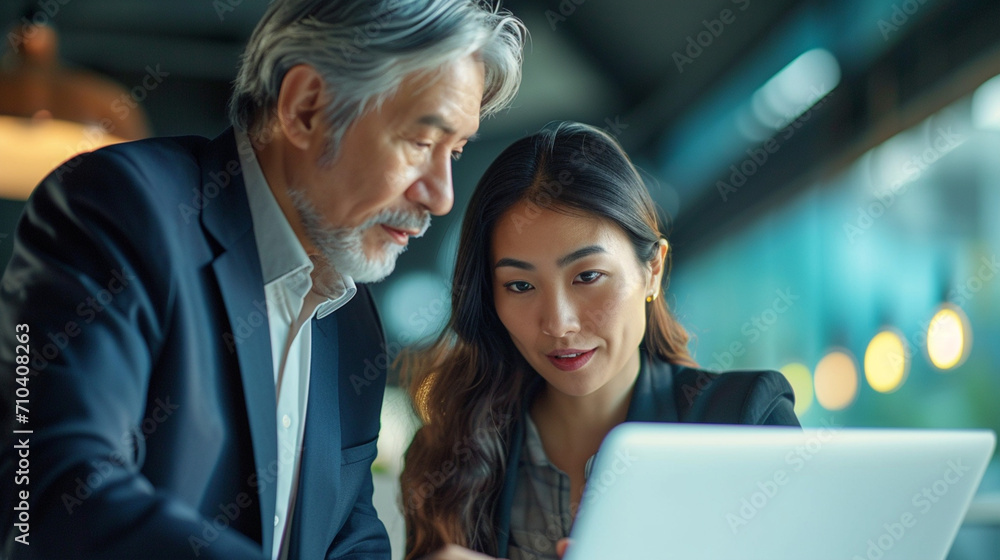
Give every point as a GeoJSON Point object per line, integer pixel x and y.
{"type": "Point", "coordinates": [703, 492]}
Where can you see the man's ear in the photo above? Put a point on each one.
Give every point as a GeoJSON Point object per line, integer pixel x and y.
{"type": "Point", "coordinates": [658, 265]}
{"type": "Point", "coordinates": [301, 101]}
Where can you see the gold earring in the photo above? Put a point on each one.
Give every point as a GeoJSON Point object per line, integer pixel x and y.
{"type": "Point", "coordinates": [652, 298]}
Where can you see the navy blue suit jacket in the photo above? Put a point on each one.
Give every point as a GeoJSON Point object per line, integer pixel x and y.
{"type": "Point", "coordinates": [152, 397]}
{"type": "Point", "coordinates": [670, 393]}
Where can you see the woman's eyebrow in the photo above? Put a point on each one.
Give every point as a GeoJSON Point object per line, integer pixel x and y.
{"type": "Point", "coordinates": [506, 261]}
{"type": "Point", "coordinates": [581, 253]}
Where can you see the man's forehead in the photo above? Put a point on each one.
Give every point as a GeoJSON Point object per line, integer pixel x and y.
{"type": "Point", "coordinates": [437, 121]}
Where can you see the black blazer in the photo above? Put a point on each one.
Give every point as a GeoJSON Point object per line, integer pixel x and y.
{"type": "Point", "coordinates": [152, 398]}
{"type": "Point", "coordinates": [670, 393]}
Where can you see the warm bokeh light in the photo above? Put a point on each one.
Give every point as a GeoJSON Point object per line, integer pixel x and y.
{"type": "Point", "coordinates": [800, 379]}
{"type": "Point", "coordinates": [836, 380]}
{"type": "Point", "coordinates": [31, 148]}
{"type": "Point", "coordinates": [886, 362]}
{"type": "Point", "coordinates": [949, 337]}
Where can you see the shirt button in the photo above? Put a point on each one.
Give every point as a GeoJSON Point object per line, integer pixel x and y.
{"type": "Point", "coordinates": [286, 421]}
{"type": "Point", "coordinates": [275, 520]}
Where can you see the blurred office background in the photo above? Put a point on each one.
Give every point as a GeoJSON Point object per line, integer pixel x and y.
{"type": "Point", "coordinates": [831, 169]}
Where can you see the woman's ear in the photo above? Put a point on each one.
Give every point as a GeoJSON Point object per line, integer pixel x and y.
{"type": "Point", "coordinates": [657, 266]}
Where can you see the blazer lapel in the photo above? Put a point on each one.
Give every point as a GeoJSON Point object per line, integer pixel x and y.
{"type": "Point", "coordinates": [506, 499]}
{"type": "Point", "coordinates": [313, 529]}
{"type": "Point", "coordinates": [226, 216]}
{"type": "Point", "coordinates": [653, 396]}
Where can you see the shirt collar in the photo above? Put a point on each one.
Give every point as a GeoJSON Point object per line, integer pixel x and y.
{"type": "Point", "coordinates": [536, 450]}
{"type": "Point", "coordinates": [282, 257]}
{"type": "Point", "coordinates": [533, 444]}
{"type": "Point", "coordinates": [337, 289]}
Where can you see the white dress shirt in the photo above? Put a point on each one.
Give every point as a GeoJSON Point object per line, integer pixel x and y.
{"type": "Point", "coordinates": [295, 293]}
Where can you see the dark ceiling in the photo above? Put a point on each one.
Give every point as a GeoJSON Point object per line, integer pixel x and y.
{"type": "Point", "coordinates": [588, 59]}
{"type": "Point", "coordinates": [618, 64]}
{"type": "Point", "coordinates": [608, 63]}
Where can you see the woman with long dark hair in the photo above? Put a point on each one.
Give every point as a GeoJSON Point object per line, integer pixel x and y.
{"type": "Point", "coordinates": [558, 333]}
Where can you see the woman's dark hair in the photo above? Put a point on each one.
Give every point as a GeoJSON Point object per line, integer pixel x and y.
{"type": "Point", "coordinates": [469, 385]}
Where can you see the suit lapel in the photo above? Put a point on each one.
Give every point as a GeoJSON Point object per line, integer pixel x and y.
{"type": "Point", "coordinates": [226, 216]}
{"type": "Point", "coordinates": [653, 396]}
{"type": "Point", "coordinates": [506, 501]}
{"type": "Point", "coordinates": [313, 529]}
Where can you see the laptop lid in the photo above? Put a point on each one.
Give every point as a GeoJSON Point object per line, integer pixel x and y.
{"type": "Point", "coordinates": [704, 492]}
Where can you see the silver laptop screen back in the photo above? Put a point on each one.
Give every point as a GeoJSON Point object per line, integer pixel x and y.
{"type": "Point", "coordinates": [767, 493]}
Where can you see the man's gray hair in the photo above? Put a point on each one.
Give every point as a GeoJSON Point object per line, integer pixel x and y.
{"type": "Point", "coordinates": [365, 48]}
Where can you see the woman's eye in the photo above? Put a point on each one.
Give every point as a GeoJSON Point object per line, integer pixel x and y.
{"type": "Point", "coordinates": [589, 277]}
{"type": "Point", "coordinates": [517, 286]}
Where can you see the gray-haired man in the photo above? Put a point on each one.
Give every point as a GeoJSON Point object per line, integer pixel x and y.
{"type": "Point", "coordinates": [185, 310]}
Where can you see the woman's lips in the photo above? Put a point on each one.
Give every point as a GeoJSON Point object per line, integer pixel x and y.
{"type": "Point", "coordinates": [570, 359]}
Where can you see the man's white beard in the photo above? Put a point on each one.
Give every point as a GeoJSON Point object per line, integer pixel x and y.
{"type": "Point", "coordinates": [343, 248]}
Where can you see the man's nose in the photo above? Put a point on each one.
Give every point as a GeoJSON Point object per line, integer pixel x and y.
{"type": "Point", "coordinates": [433, 190]}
